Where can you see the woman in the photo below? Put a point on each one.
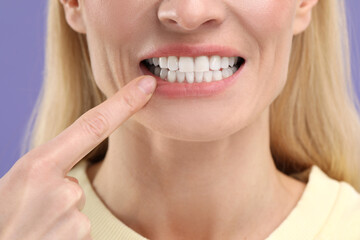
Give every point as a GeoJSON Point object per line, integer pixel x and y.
{"type": "Point", "coordinates": [251, 131]}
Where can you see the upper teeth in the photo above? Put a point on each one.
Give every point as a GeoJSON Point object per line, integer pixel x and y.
{"type": "Point", "coordinates": [190, 64]}
{"type": "Point", "coordinates": [201, 68]}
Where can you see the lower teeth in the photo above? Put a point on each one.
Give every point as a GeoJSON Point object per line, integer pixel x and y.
{"type": "Point", "coordinates": [191, 77]}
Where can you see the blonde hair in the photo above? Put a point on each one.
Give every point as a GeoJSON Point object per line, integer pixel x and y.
{"type": "Point", "coordinates": [313, 121]}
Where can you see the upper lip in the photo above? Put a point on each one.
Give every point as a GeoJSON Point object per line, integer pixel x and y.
{"type": "Point", "coordinates": [192, 51]}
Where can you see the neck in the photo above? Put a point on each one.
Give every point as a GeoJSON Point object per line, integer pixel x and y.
{"type": "Point", "coordinates": [165, 188]}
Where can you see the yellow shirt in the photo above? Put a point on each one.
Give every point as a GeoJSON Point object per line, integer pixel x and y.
{"type": "Point", "coordinates": [327, 210]}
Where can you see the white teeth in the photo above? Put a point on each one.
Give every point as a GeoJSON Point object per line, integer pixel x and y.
{"type": "Point", "coordinates": [155, 61]}
{"type": "Point", "coordinates": [189, 77]}
{"type": "Point", "coordinates": [227, 72]}
{"type": "Point", "coordinates": [198, 69]}
{"type": "Point", "coordinates": [224, 62]}
{"type": "Point", "coordinates": [186, 64]}
{"type": "Point", "coordinates": [217, 75]}
{"type": "Point", "coordinates": [163, 73]}
{"type": "Point", "coordinates": [173, 63]}
{"type": "Point", "coordinates": [202, 64]}
{"type": "Point", "coordinates": [215, 63]}
{"type": "Point", "coordinates": [199, 76]}
{"type": "Point", "coordinates": [232, 61]}
{"type": "Point", "coordinates": [208, 76]}
{"type": "Point", "coordinates": [198, 64]}
{"type": "Point", "coordinates": [180, 76]}
{"type": "Point", "coordinates": [163, 62]}
{"type": "Point", "coordinates": [172, 76]}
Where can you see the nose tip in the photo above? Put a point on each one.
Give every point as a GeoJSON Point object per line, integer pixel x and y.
{"type": "Point", "coordinates": [189, 15]}
{"type": "Point", "coordinates": [187, 25]}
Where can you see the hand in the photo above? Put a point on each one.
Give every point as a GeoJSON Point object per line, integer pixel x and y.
{"type": "Point", "coordinates": [37, 198]}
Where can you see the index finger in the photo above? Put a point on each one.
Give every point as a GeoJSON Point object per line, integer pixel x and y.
{"type": "Point", "coordinates": [88, 131]}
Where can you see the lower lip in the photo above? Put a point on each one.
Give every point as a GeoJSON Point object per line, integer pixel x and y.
{"type": "Point", "coordinates": [181, 90]}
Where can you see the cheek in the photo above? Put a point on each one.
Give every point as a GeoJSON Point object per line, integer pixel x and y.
{"type": "Point", "coordinates": [268, 17]}
{"type": "Point", "coordinates": [115, 20]}
{"type": "Point", "coordinates": [269, 27]}
{"type": "Point", "coordinates": [111, 36]}
{"type": "Point", "coordinates": [269, 24]}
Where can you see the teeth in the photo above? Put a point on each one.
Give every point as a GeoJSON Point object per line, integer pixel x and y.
{"type": "Point", "coordinates": [202, 64]}
{"type": "Point", "coordinates": [236, 59]}
{"type": "Point", "coordinates": [163, 73]}
{"type": "Point", "coordinates": [152, 68]}
{"type": "Point", "coordinates": [227, 72]}
{"type": "Point", "coordinates": [224, 62]}
{"type": "Point", "coordinates": [217, 75]}
{"type": "Point", "coordinates": [186, 64]}
{"type": "Point", "coordinates": [157, 71]}
{"type": "Point", "coordinates": [173, 63]}
{"type": "Point", "coordinates": [199, 76]}
{"type": "Point", "coordinates": [155, 61]}
{"type": "Point", "coordinates": [150, 61]}
{"type": "Point", "coordinates": [215, 63]}
{"type": "Point", "coordinates": [233, 69]}
{"type": "Point", "coordinates": [180, 76]}
{"type": "Point", "coordinates": [232, 61]}
{"type": "Point", "coordinates": [171, 77]}
{"type": "Point", "coordinates": [198, 69]}
{"type": "Point", "coordinates": [208, 76]}
{"type": "Point", "coordinates": [189, 77]}
{"type": "Point", "coordinates": [163, 62]}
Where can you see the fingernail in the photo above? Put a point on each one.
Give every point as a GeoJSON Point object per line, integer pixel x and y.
{"type": "Point", "coordinates": [147, 84]}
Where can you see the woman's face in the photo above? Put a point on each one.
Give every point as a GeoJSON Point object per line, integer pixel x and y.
{"type": "Point", "coordinates": [121, 32]}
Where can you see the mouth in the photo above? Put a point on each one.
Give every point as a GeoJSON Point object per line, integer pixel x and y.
{"type": "Point", "coordinates": [185, 69]}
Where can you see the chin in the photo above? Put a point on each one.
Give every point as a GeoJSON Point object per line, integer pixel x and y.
{"type": "Point", "coordinates": [184, 133]}
{"type": "Point", "coordinates": [190, 129]}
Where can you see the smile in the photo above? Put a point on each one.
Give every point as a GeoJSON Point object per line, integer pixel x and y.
{"type": "Point", "coordinates": [193, 69]}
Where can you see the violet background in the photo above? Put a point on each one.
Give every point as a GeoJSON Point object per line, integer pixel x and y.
{"type": "Point", "coordinates": [21, 67]}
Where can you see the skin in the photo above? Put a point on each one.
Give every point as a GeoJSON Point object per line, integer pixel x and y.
{"type": "Point", "coordinates": [38, 200]}
{"type": "Point", "coordinates": [192, 168]}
